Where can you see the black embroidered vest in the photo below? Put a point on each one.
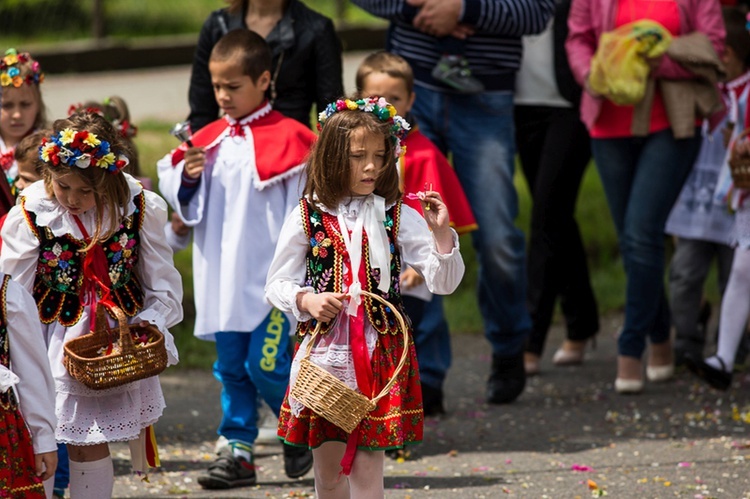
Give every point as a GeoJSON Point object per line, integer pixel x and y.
{"type": "Point", "coordinates": [327, 258]}
{"type": "Point", "coordinates": [7, 398]}
{"type": "Point", "coordinates": [59, 273]}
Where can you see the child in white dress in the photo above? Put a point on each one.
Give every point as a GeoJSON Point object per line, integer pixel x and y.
{"type": "Point", "coordinates": [88, 222]}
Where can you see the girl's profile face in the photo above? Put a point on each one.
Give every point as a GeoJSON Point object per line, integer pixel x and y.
{"type": "Point", "coordinates": [366, 160]}
{"type": "Point", "coordinates": [73, 193]}
{"type": "Point", "coordinates": [19, 111]}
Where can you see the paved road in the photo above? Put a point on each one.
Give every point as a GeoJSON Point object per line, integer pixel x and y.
{"type": "Point", "coordinates": [159, 94]}
{"type": "Point", "coordinates": [567, 433]}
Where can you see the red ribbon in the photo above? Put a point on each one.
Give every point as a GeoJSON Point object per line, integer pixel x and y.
{"type": "Point", "coordinates": [362, 370]}
{"type": "Point", "coordinates": [95, 278]}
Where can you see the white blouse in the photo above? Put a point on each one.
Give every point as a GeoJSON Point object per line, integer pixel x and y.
{"type": "Point", "coordinates": [286, 276]}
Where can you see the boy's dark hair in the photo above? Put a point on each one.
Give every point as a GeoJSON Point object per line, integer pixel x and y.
{"type": "Point", "coordinates": [28, 149]}
{"type": "Point", "coordinates": [738, 37]}
{"type": "Point", "coordinates": [251, 49]}
{"type": "Point", "coordinates": [393, 65]}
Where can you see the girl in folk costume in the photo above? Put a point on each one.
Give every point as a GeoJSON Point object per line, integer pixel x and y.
{"type": "Point", "coordinates": [90, 227]}
{"type": "Point", "coordinates": [351, 233]}
{"type": "Point", "coordinates": [27, 435]}
{"type": "Point", "coordinates": [22, 106]}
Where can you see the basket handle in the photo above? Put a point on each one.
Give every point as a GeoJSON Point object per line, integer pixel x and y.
{"type": "Point", "coordinates": [404, 354]}
{"type": "Point", "coordinates": [744, 133]}
{"type": "Point", "coordinates": [102, 325]}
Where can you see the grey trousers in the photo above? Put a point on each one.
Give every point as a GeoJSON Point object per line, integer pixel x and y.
{"type": "Point", "coordinates": [687, 274]}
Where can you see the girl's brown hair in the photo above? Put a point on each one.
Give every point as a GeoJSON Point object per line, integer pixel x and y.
{"type": "Point", "coordinates": [329, 168]}
{"type": "Point", "coordinates": [115, 110]}
{"type": "Point", "coordinates": [31, 74]}
{"type": "Point", "coordinates": [111, 190]}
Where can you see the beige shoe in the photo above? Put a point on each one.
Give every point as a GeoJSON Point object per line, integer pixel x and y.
{"type": "Point", "coordinates": [531, 363]}
{"type": "Point", "coordinates": [660, 366]}
{"type": "Point", "coordinates": [570, 353]}
{"type": "Point", "coordinates": [659, 374]}
{"type": "Point", "coordinates": [629, 375]}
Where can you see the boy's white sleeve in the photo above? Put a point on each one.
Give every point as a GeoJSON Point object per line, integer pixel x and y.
{"type": "Point", "coordinates": [161, 282]}
{"type": "Point", "coordinates": [287, 271]}
{"type": "Point", "coordinates": [28, 357]}
{"type": "Point", "coordinates": [170, 180]}
{"type": "Point", "coordinates": [442, 273]}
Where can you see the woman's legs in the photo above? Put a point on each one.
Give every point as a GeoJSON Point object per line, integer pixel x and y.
{"type": "Point", "coordinates": [642, 178]}
{"type": "Point", "coordinates": [91, 473]}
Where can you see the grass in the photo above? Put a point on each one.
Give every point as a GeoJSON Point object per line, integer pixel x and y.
{"type": "Point", "coordinates": [461, 308]}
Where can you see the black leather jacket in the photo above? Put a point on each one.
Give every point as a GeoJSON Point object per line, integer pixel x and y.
{"type": "Point", "coordinates": [310, 70]}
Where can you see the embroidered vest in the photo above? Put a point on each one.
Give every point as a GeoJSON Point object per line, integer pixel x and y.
{"type": "Point", "coordinates": [327, 258]}
{"type": "Point", "coordinates": [59, 272]}
{"type": "Point", "coordinates": [8, 398]}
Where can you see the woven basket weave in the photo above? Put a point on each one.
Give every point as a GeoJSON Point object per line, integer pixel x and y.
{"type": "Point", "coordinates": [740, 164]}
{"type": "Point", "coordinates": [85, 364]}
{"type": "Point", "coordinates": [328, 396]}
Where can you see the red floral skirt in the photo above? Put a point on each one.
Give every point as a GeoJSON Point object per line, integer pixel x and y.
{"type": "Point", "coordinates": [18, 478]}
{"type": "Point", "coordinates": [397, 420]}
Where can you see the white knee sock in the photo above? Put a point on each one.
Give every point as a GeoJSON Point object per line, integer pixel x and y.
{"type": "Point", "coordinates": [735, 308]}
{"type": "Point", "coordinates": [92, 480]}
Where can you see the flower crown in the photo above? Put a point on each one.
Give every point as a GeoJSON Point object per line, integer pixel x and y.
{"type": "Point", "coordinates": [124, 127]}
{"type": "Point", "coordinates": [15, 70]}
{"type": "Point", "coordinates": [378, 106]}
{"type": "Point", "coordinates": [81, 149]}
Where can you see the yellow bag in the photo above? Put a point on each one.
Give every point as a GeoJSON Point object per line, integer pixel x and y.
{"type": "Point", "coordinates": [619, 69]}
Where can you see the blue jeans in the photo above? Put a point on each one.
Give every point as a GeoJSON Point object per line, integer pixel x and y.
{"type": "Point", "coordinates": [642, 178]}
{"type": "Point", "coordinates": [248, 365]}
{"type": "Point", "coordinates": [432, 339]}
{"type": "Point", "coordinates": [62, 472]}
{"type": "Point", "coordinates": [478, 131]}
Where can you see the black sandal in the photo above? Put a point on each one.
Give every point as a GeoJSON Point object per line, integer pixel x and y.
{"type": "Point", "coordinates": [721, 379]}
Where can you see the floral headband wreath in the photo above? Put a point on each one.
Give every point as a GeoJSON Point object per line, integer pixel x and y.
{"type": "Point", "coordinates": [81, 149]}
{"type": "Point", "coordinates": [15, 69]}
{"type": "Point", "coordinates": [378, 106]}
{"type": "Point", "coordinates": [124, 127]}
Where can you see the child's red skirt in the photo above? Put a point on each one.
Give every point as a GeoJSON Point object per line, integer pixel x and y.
{"type": "Point", "coordinates": [18, 478]}
{"type": "Point", "coordinates": [397, 420]}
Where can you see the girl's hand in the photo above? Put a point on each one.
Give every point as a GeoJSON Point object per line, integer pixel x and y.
{"type": "Point", "coordinates": [45, 464]}
{"type": "Point", "coordinates": [322, 306]}
{"type": "Point", "coordinates": [195, 161]}
{"type": "Point", "coordinates": [436, 215]}
{"type": "Point", "coordinates": [410, 278]}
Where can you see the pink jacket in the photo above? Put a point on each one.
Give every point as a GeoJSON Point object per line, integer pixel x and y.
{"type": "Point", "coordinates": [588, 19]}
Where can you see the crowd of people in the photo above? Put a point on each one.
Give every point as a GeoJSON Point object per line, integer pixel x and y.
{"type": "Point", "coordinates": [325, 256]}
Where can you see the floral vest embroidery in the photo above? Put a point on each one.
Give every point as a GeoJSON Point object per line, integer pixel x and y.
{"type": "Point", "coordinates": [59, 272]}
{"type": "Point", "coordinates": [327, 258]}
{"type": "Point", "coordinates": [8, 398]}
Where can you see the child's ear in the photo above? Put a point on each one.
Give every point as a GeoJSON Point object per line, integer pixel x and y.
{"type": "Point", "coordinates": [264, 80]}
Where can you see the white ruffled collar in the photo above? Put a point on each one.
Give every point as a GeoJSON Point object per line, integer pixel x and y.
{"type": "Point", "coordinates": [49, 213]}
{"type": "Point", "coordinates": [259, 113]}
{"type": "Point", "coordinates": [351, 208]}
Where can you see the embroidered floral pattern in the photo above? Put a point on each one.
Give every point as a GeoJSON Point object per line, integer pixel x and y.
{"type": "Point", "coordinates": [60, 276]}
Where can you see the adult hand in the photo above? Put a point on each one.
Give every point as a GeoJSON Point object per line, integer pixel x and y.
{"type": "Point", "coordinates": [436, 17]}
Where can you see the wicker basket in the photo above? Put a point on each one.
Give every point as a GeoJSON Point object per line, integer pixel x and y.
{"type": "Point", "coordinates": [329, 397]}
{"type": "Point", "coordinates": [85, 364]}
{"type": "Point", "coordinates": [740, 164]}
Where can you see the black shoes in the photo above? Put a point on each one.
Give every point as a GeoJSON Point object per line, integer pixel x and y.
{"type": "Point", "coordinates": [717, 378]}
{"type": "Point", "coordinates": [432, 401]}
{"type": "Point", "coordinates": [507, 379]}
{"type": "Point", "coordinates": [228, 471]}
{"type": "Point", "coordinates": [297, 461]}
